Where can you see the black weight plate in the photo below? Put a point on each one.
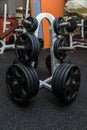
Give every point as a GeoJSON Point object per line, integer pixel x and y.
{"type": "Point", "coordinates": [65, 67]}
{"type": "Point", "coordinates": [37, 46]}
{"type": "Point", "coordinates": [33, 24]}
{"type": "Point", "coordinates": [32, 82]}
{"type": "Point", "coordinates": [24, 55]}
{"type": "Point", "coordinates": [30, 78]}
{"type": "Point", "coordinates": [65, 74]}
{"type": "Point", "coordinates": [28, 88]}
{"type": "Point", "coordinates": [57, 28]}
{"type": "Point", "coordinates": [32, 48]}
{"type": "Point", "coordinates": [17, 83]}
{"type": "Point", "coordinates": [48, 63]}
{"type": "Point", "coordinates": [35, 52]}
{"type": "Point", "coordinates": [35, 49]}
{"type": "Point", "coordinates": [54, 88]}
{"type": "Point", "coordinates": [54, 79]}
{"type": "Point", "coordinates": [71, 83]}
{"type": "Point", "coordinates": [60, 55]}
{"type": "Point", "coordinates": [35, 80]}
{"type": "Point", "coordinates": [54, 76]}
{"type": "Point", "coordinates": [9, 83]}
{"type": "Point", "coordinates": [72, 27]}
{"type": "Point", "coordinates": [57, 79]}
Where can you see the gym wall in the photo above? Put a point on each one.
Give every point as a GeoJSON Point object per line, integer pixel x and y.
{"type": "Point", "coordinates": [2, 2]}
{"type": "Point", "coordinates": [11, 6]}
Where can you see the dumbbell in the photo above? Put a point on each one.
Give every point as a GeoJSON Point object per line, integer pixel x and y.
{"type": "Point", "coordinates": [60, 49]}
{"type": "Point", "coordinates": [23, 83]}
{"type": "Point", "coordinates": [30, 24]}
{"type": "Point", "coordinates": [60, 25]}
{"type": "Point", "coordinates": [66, 81]}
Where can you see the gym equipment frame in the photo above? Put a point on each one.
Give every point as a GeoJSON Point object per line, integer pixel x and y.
{"type": "Point", "coordinates": [59, 72]}
{"type": "Point", "coordinates": [54, 64]}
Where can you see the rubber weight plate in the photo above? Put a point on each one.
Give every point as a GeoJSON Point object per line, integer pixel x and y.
{"type": "Point", "coordinates": [59, 82]}
{"type": "Point", "coordinates": [72, 27]}
{"type": "Point", "coordinates": [71, 83]}
{"type": "Point", "coordinates": [60, 54]}
{"type": "Point", "coordinates": [18, 83]}
{"type": "Point", "coordinates": [36, 46]}
{"type": "Point", "coordinates": [31, 48]}
{"type": "Point", "coordinates": [31, 25]}
{"type": "Point", "coordinates": [55, 79]}
{"type": "Point", "coordinates": [35, 80]}
{"type": "Point", "coordinates": [30, 78]}
{"type": "Point", "coordinates": [59, 30]}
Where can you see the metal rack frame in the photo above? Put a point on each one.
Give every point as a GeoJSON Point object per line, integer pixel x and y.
{"type": "Point", "coordinates": [54, 64]}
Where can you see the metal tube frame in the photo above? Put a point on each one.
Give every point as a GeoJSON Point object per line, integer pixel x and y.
{"type": "Point", "coordinates": [54, 64]}
{"type": "Point", "coordinates": [27, 8]}
{"type": "Point", "coordinates": [64, 24]}
{"type": "Point", "coordinates": [75, 43]}
{"type": "Point", "coordinates": [82, 28]}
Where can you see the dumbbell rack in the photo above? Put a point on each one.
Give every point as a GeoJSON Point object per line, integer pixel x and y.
{"type": "Point", "coordinates": [54, 64]}
{"type": "Point", "coordinates": [65, 78]}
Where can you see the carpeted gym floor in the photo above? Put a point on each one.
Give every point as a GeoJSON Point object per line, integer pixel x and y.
{"type": "Point", "coordinates": [45, 111]}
